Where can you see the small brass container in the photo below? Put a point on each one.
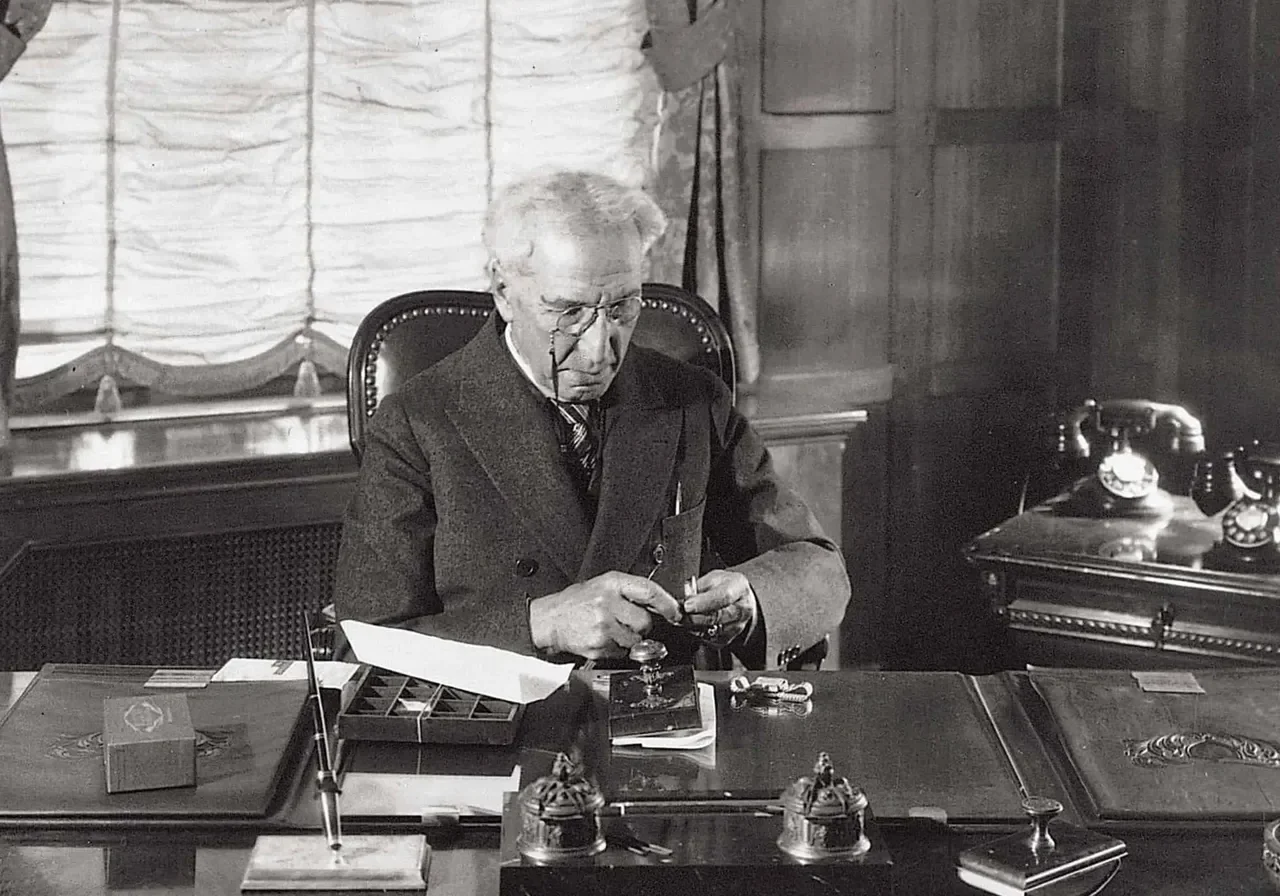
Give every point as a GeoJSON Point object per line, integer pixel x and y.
{"type": "Point", "coordinates": [823, 816]}
{"type": "Point", "coordinates": [1271, 852]}
{"type": "Point", "coordinates": [560, 815]}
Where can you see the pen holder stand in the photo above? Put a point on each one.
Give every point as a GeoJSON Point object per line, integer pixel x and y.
{"type": "Point", "coordinates": [368, 862]}
{"type": "Point", "coordinates": [1072, 860]}
{"type": "Point", "coordinates": [332, 862]}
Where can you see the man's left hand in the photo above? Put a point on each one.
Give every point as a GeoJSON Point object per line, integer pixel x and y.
{"type": "Point", "coordinates": [725, 604]}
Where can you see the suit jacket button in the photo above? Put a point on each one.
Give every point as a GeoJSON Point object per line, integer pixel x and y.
{"type": "Point", "coordinates": [526, 566]}
{"type": "Point", "coordinates": [659, 553]}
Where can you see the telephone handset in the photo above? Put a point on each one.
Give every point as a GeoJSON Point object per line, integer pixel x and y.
{"type": "Point", "coordinates": [1244, 483]}
{"type": "Point", "coordinates": [1124, 481]}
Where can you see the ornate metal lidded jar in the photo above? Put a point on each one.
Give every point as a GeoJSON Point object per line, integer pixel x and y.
{"type": "Point", "coordinates": [1271, 851]}
{"type": "Point", "coordinates": [560, 814]}
{"type": "Point", "coordinates": [824, 816]}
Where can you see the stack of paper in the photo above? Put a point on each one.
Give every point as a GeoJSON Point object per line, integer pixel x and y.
{"type": "Point", "coordinates": [330, 674]}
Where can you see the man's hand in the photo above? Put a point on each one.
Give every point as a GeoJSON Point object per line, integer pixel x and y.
{"type": "Point", "coordinates": [600, 617]}
{"type": "Point", "coordinates": [725, 604]}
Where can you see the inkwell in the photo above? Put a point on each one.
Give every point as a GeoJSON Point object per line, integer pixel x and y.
{"type": "Point", "coordinates": [1071, 859]}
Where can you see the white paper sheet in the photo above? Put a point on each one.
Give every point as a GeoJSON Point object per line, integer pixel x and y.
{"type": "Point", "coordinates": [329, 673]}
{"type": "Point", "coordinates": [380, 794]}
{"type": "Point", "coordinates": [469, 667]}
{"type": "Point", "coordinates": [681, 740]}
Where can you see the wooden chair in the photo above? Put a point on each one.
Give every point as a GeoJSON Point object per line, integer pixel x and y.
{"type": "Point", "coordinates": [407, 334]}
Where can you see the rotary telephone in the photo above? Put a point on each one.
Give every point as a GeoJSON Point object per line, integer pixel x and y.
{"type": "Point", "coordinates": [1244, 483]}
{"type": "Point", "coordinates": [1123, 481]}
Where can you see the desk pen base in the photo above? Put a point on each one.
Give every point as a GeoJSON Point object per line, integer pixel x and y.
{"type": "Point", "coordinates": [1078, 863]}
{"type": "Point", "coordinates": [365, 862]}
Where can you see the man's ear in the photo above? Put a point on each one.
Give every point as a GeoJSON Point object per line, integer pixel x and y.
{"type": "Point", "coordinates": [498, 286]}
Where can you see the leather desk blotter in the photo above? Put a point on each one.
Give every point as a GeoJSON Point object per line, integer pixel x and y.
{"type": "Point", "coordinates": [1160, 755]}
{"type": "Point", "coordinates": [248, 735]}
{"type": "Point", "coordinates": [918, 743]}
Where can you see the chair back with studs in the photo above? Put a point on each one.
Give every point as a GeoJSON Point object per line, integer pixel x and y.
{"type": "Point", "coordinates": [408, 333]}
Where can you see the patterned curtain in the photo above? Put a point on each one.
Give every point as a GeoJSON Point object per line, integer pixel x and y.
{"type": "Point", "coordinates": [692, 48]}
{"type": "Point", "coordinates": [23, 20]}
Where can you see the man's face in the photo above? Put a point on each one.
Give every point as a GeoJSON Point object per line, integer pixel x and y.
{"type": "Point", "coordinates": [566, 275]}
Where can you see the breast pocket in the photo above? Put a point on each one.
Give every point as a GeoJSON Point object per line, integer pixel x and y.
{"type": "Point", "coordinates": [677, 553]}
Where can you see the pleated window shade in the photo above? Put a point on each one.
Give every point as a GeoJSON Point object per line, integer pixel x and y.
{"type": "Point", "coordinates": [208, 191]}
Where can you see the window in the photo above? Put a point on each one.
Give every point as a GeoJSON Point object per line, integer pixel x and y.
{"type": "Point", "coordinates": [210, 196]}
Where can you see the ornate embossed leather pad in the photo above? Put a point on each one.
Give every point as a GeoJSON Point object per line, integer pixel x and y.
{"type": "Point", "coordinates": [1170, 755]}
{"type": "Point", "coordinates": [247, 734]}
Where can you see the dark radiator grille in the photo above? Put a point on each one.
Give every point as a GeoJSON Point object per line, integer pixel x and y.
{"type": "Point", "coordinates": [188, 600]}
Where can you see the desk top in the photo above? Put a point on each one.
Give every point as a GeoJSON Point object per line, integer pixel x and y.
{"type": "Point", "coordinates": [960, 744]}
{"type": "Point", "coordinates": [1178, 548]}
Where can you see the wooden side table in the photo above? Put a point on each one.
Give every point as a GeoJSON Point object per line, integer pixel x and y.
{"type": "Point", "coordinates": [1129, 593]}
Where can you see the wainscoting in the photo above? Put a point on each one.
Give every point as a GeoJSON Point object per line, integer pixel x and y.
{"type": "Point", "coordinates": [190, 562]}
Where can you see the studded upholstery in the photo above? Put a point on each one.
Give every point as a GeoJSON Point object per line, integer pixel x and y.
{"type": "Point", "coordinates": [410, 332]}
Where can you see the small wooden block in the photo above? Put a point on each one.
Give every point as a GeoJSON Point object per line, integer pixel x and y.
{"type": "Point", "coordinates": [365, 862]}
{"type": "Point", "coordinates": [672, 704]}
{"type": "Point", "coordinates": [148, 742]}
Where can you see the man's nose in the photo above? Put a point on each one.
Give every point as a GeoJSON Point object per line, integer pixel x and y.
{"type": "Point", "coordinates": [594, 343]}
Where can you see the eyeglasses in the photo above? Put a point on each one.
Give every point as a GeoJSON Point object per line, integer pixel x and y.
{"type": "Point", "coordinates": [575, 320]}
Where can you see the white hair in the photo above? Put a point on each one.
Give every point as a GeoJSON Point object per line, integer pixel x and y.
{"type": "Point", "coordinates": [576, 203]}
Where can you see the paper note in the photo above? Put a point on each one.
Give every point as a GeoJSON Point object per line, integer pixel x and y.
{"type": "Point", "coordinates": [330, 674]}
{"type": "Point", "coordinates": [681, 740]}
{"type": "Point", "coordinates": [379, 794]}
{"type": "Point", "coordinates": [1168, 682]}
{"type": "Point", "coordinates": [179, 678]}
{"type": "Point", "coordinates": [468, 667]}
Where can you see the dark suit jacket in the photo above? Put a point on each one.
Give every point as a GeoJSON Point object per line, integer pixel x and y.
{"type": "Point", "coordinates": [465, 509]}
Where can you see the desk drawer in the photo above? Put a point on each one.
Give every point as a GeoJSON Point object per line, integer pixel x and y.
{"type": "Point", "coordinates": [1201, 628]}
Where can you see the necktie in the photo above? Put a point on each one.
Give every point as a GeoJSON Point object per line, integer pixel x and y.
{"type": "Point", "coordinates": [580, 443]}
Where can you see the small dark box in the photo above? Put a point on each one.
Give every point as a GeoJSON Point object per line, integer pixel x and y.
{"type": "Point", "coordinates": [666, 701]}
{"type": "Point", "coordinates": [148, 742]}
{"type": "Point", "coordinates": [393, 707]}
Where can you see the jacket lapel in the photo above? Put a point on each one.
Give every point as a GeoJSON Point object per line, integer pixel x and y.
{"type": "Point", "coordinates": [641, 438]}
{"type": "Point", "coordinates": [504, 424]}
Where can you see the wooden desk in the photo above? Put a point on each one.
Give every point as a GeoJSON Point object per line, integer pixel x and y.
{"type": "Point", "coordinates": [903, 735]}
{"type": "Point", "coordinates": [1124, 593]}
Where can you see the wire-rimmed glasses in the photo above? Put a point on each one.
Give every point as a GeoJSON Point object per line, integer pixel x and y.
{"type": "Point", "coordinates": [574, 320]}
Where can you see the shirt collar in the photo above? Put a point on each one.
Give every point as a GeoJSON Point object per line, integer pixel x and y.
{"type": "Point", "coordinates": [523, 364]}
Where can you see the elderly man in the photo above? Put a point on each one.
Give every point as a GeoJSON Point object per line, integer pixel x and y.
{"type": "Point", "coordinates": [537, 489]}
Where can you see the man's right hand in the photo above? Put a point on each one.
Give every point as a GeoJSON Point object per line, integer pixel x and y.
{"type": "Point", "coordinates": [600, 617]}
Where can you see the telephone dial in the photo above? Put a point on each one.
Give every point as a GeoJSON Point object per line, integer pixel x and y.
{"type": "Point", "coordinates": [1123, 480]}
{"type": "Point", "coordinates": [1244, 484]}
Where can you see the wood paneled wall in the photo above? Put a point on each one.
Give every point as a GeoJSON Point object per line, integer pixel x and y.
{"type": "Point", "coordinates": [1229, 365]}
{"type": "Point", "coordinates": [1017, 204]}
